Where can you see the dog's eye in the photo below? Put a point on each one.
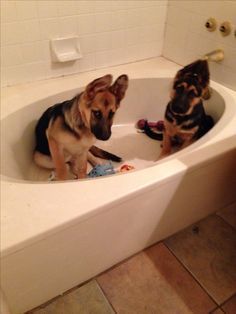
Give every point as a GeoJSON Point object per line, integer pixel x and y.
{"type": "Point", "coordinates": [97, 114]}
{"type": "Point", "coordinates": [111, 114]}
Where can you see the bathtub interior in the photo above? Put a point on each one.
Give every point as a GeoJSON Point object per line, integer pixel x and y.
{"type": "Point", "coordinates": [145, 98]}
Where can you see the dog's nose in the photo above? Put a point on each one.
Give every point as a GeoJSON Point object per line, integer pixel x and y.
{"type": "Point", "coordinates": [105, 136]}
{"type": "Point", "coordinates": [101, 133]}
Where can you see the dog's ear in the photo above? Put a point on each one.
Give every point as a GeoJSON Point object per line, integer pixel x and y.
{"type": "Point", "coordinates": [200, 68]}
{"type": "Point", "coordinates": [119, 87]}
{"type": "Point", "coordinates": [98, 85]}
{"type": "Point", "coordinates": [204, 78]}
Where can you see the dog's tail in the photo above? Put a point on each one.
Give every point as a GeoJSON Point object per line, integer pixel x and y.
{"type": "Point", "coordinates": [98, 152]}
{"type": "Point", "coordinates": [150, 133]}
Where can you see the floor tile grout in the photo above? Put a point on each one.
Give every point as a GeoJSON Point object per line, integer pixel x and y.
{"type": "Point", "coordinates": [217, 308]}
{"type": "Point", "coordinates": [225, 221]}
{"type": "Point", "coordinates": [45, 304]}
{"type": "Point", "coordinates": [223, 303]}
{"type": "Point", "coordinates": [105, 296]}
{"type": "Point", "coordinates": [194, 278]}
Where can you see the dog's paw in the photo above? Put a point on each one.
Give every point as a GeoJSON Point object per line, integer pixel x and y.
{"type": "Point", "coordinates": [52, 176]}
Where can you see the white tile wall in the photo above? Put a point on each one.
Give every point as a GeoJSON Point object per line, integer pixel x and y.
{"type": "Point", "coordinates": [111, 32]}
{"type": "Point", "coordinates": [186, 38]}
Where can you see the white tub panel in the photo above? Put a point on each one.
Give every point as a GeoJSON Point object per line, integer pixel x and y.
{"type": "Point", "coordinates": [49, 267]}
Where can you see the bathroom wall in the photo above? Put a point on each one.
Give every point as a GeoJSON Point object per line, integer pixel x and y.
{"type": "Point", "coordinates": [186, 37]}
{"type": "Point", "coordinates": [110, 32]}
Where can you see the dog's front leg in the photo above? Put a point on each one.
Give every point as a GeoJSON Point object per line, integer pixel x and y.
{"type": "Point", "coordinates": [79, 165]}
{"type": "Point", "coordinates": [188, 139]}
{"type": "Point", "coordinates": [94, 161]}
{"type": "Point", "coordinates": [57, 154]}
{"type": "Point", "coordinates": [166, 145]}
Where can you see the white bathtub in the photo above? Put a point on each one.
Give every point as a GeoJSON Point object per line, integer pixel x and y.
{"type": "Point", "coordinates": [57, 235]}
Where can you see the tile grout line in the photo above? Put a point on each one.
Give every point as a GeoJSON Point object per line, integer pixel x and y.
{"type": "Point", "coordinates": [47, 303]}
{"type": "Point", "coordinates": [50, 301]}
{"type": "Point", "coordinates": [192, 275]}
{"type": "Point", "coordinates": [234, 228]}
{"type": "Point", "coordinates": [223, 303]}
{"type": "Point", "coordinates": [217, 308]}
{"type": "Point", "coordinates": [105, 296]}
{"type": "Point", "coordinates": [218, 213]}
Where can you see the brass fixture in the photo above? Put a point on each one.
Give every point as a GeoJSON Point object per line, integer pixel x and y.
{"type": "Point", "coordinates": [215, 55]}
{"type": "Point", "coordinates": [211, 24]}
{"type": "Point", "coordinates": [225, 28]}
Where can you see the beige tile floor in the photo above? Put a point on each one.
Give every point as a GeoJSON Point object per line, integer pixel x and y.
{"type": "Point", "coordinates": [193, 271]}
{"type": "Point", "coordinates": [209, 254]}
{"type": "Point", "coordinates": [89, 298]}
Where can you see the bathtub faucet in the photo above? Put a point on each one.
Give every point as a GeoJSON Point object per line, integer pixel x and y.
{"type": "Point", "coordinates": [215, 55]}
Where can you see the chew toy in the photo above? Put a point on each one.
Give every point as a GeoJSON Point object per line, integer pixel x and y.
{"type": "Point", "coordinates": [159, 125]}
{"type": "Point", "coordinates": [101, 170]}
{"type": "Point", "coordinates": [125, 168]}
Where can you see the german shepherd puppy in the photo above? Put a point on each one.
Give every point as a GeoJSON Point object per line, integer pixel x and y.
{"type": "Point", "coordinates": [66, 132]}
{"type": "Point", "coordinates": [185, 119]}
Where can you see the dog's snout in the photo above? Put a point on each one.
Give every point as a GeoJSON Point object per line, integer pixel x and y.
{"type": "Point", "coordinates": [180, 104]}
{"type": "Point", "coordinates": [104, 134]}
{"type": "Point", "coordinates": [101, 132]}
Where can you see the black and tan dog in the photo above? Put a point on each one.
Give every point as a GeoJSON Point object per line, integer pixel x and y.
{"type": "Point", "coordinates": [66, 132]}
{"type": "Point", "coordinates": [185, 118]}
